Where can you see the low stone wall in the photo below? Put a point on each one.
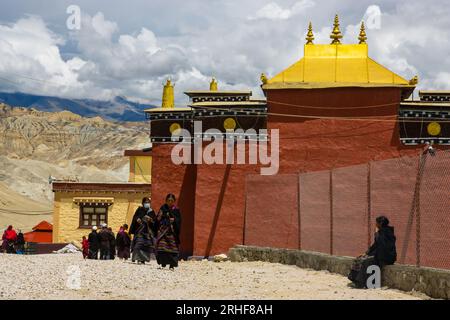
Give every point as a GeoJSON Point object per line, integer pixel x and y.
{"type": "Point", "coordinates": [433, 282]}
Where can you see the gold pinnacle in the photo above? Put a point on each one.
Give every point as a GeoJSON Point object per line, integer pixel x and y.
{"type": "Point", "coordinates": [362, 34]}
{"type": "Point", "coordinates": [336, 34]}
{"type": "Point", "coordinates": [310, 35]}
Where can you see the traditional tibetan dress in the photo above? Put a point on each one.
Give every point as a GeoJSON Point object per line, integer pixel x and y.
{"type": "Point", "coordinates": [143, 241]}
{"type": "Point", "coordinates": [168, 237]}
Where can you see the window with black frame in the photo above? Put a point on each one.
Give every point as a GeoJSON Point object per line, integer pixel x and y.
{"type": "Point", "coordinates": [93, 215]}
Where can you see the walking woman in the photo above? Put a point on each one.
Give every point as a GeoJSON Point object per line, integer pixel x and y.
{"type": "Point", "coordinates": [144, 210]}
{"type": "Point", "coordinates": [168, 223]}
{"type": "Point", "coordinates": [123, 243]}
{"type": "Point", "coordinates": [143, 241]}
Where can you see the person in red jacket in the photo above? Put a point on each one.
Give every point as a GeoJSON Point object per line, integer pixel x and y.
{"type": "Point", "coordinates": [9, 239]}
{"type": "Point", "coordinates": [85, 246]}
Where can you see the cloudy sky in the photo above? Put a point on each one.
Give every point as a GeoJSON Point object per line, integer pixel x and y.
{"type": "Point", "coordinates": [129, 48]}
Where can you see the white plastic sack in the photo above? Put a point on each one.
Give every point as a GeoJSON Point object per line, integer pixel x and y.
{"type": "Point", "coordinates": [70, 248]}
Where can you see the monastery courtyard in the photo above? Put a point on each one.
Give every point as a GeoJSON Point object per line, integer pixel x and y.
{"type": "Point", "coordinates": [54, 276]}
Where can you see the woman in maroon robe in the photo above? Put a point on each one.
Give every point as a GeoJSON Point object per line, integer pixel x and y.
{"type": "Point", "coordinates": [123, 243]}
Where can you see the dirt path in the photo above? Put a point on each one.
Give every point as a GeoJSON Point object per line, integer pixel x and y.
{"type": "Point", "coordinates": [46, 277]}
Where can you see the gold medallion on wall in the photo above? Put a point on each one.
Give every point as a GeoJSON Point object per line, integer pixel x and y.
{"type": "Point", "coordinates": [174, 127]}
{"type": "Point", "coordinates": [434, 128]}
{"type": "Point", "coordinates": [229, 124]}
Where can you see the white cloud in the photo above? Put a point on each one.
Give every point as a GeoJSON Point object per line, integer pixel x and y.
{"type": "Point", "coordinates": [119, 55]}
{"type": "Point", "coordinates": [32, 60]}
{"type": "Point", "coordinates": [273, 11]}
{"type": "Point", "coordinates": [103, 27]}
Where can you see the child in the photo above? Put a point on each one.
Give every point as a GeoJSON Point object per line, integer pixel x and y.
{"type": "Point", "coordinates": [85, 245]}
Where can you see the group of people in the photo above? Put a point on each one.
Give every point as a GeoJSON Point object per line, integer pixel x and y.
{"type": "Point", "coordinates": [152, 233]}
{"type": "Point", "coordinates": [105, 243]}
{"type": "Point", "coordinates": [12, 242]}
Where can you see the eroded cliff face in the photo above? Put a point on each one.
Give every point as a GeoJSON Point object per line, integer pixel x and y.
{"type": "Point", "coordinates": [35, 145]}
{"type": "Point", "coordinates": [63, 136]}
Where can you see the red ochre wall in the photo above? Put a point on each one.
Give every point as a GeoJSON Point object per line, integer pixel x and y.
{"type": "Point", "coordinates": [310, 144]}
{"type": "Point", "coordinates": [214, 192]}
{"type": "Point", "coordinates": [212, 197]}
{"type": "Point", "coordinates": [179, 180]}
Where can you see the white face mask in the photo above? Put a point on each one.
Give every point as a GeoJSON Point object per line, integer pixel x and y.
{"type": "Point", "coordinates": [147, 205]}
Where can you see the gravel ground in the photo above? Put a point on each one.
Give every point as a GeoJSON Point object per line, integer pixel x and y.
{"type": "Point", "coordinates": [47, 277]}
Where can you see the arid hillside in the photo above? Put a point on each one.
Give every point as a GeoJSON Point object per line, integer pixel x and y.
{"type": "Point", "coordinates": [35, 145]}
{"type": "Point", "coordinates": [20, 211]}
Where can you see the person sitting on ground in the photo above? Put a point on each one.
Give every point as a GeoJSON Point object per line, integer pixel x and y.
{"type": "Point", "coordinates": [382, 252]}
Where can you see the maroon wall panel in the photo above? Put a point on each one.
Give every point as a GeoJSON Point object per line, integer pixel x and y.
{"type": "Point", "coordinates": [392, 191]}
{"type": "Point", "coordinates": [315, 211]}
{"type": "Point", "coordinates": [272, 211]}
{"type": "Point", "coordinates": [350, 211]}
{"type": "Point", "coordinates": [435, 212]}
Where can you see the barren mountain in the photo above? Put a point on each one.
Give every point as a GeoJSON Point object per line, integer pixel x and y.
{"type": "Point", "coordinates": [35, 145]}
{"type": "Point", "coordinates": [20, 211]}
{"type": "Point", "coordinates": [116, 109]}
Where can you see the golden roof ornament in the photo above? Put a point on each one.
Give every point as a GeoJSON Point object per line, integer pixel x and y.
{"type": "Point", "coordinates": [309, 35]}
{"type": "Point", "coordinates": [213, 85]}
{"type": "Point", "coordinates": [263, 78]}
{"type": "Point", "coordinates": [336, 34]}
{"type": "Point", "coordinates": [362, 34]}
{"type": "Point", "coordinates": [168, 99]}
{"type": "Point", "coordinates": [414, 81]}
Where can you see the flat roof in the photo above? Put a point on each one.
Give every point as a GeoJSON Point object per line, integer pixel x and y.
{"type": "Point", "coordinates": [218, 93]}
{"type": "Point", "coordinates": [434, 92]}
{"type": "Point", "coordinates": [228, 103]}
{"type": "Point", "coordinates": [129, 153]}
{"type": "Point", "coordinates": [425, 104]}
{"type": "Point", "coordinates": [168, 109]}
{"type": "Point", "coordinates": [131, 187]}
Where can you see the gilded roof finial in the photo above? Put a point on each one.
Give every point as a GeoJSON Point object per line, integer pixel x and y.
{"type": "Point", "coordinates": [213, 85]}
{"type": "Point", "coordinates": [309, 35]}
{"type": "Point", "coordinates": [414, 81]}
{"type": "Point", "coordinates": [263, 78]}
{"type": "Point", "coordinates": [168, 100]}
{"type": "Point", "coordinates": [336, 34]}
{"type": "Point", "coordinates": [362, 34]}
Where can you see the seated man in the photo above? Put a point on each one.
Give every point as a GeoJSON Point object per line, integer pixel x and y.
{"type": "Point", "coordinates": [382, 252]}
